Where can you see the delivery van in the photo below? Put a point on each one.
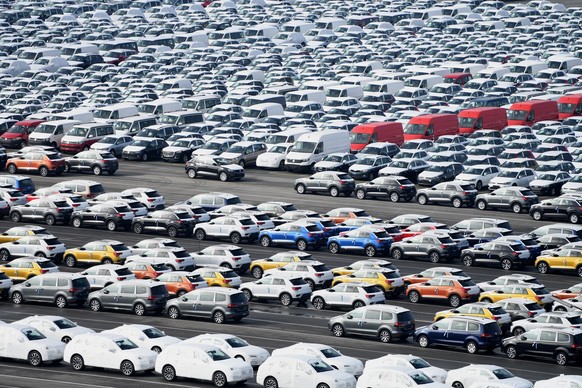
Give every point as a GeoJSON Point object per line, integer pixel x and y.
{"type": "Point", "coordinates": [17, 135]}
{"type": "Point", "coordinates": [431, 126]}
{"type": "Point", "coordinates": [134, 124]}
{"type": "Point", "coordinates": [82, 136]}
{"type": "Point", "coordinates": [471, 120]}
{"type": "Point", "coordinates": [364, 134]}
{"type": "Point", "coordinates": [159, 107]}
{"type": "Point", "coordinates": [111, 113]}
{"type": "Point", "coordinates": [312, 147]}
{"type": "Point", "coordinates": [530, 112]}
{"type": "Point", "coordinates": [384, 86]}
{"type": "Point", "coordinates": [355, 91]}
{"type": "Point", "coordinates": [50, 133]}
{"type": "Point", "coordinates": [569, 105]}
{"type": "Point", "coordinates": [82, 115]}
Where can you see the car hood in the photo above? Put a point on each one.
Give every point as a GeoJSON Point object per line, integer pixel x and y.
{"type": "Point", "coordinates": [502, 180]}
{"type": "Point", "coordinates": [175, 149]}
{"type": "Point", "coordinates": [10, 135]}
{"type": "Point", "coordinates": [230, 155]}
{"type": "Point", "coordinates": [233, 167]}
{"type": "Point", "coordinates": [326, 164]}
{"type": "Point", "coordinates": [430, 174]}
{"type": "Point", "coordinates": [201, 151]}
{"type": "Point", "coordinates": [133, 148]}
{"type": "Point", "coordinates": [40, 135]}
{"type": "Point", "coordinates": [101, 146]}
{"type": "Point", "coordinates": [392, 170]}
{"type": "Point", "coordinates": [360, 168]}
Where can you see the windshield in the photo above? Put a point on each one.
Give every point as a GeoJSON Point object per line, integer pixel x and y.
{"type": "Point", "coordinates": [547, 177]}
{"type": "Point", "coordinates": [360, 138]}
{"type": "Point", "coordinates": [508, 174]}
{"type": "Point", "coordinates": [330, 353]}
{"type": "Point", "coordinates": [415, 129]}
{"type": "Point", "coordinates": [32, 334]}
{"type": "Point", "coordinates": [304, 147]}
{"type": "Point", "coordinates": [420, 378]}
{"type": "Point", "coordinates": [474, 171]}
{"type": "Point", "coordinates": [64, 323]}
{"type": "Point", "coordinates": [566, 108]}
{"type": "Point", "coordinates": [466, 122]}
{"type": "Point", "coordinates": [125, 344]}
{"type": "Point", "coordinates": [516, 114]}
{"type": "Point", "coordinates": [44, 129]}
{"type": "Point", "coordinates": [320, 366]}
{"type": "Point", "coordinates": [18, 129]}
{"type": "Point", "coordinates": [217, 355]}
{"type": "Point", "coordinates": [78, 132]}
{"type": "Point", "coordinates": [502, 374]}
{"type": "Point", "coordinates": [236, 342]}
{"type": "Point", "coordinates": [152, 332]}
{"type": "Point", "coordinates": [418, 363]}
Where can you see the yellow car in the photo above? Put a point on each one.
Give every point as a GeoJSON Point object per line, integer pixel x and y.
{"type": "Point", "coordinates": [27, 267]}
{"type": "Point", "coordinates": [386, 279]}
{"type": "Point", "coordinates": [571, 262]}
{"type": "Point", "coordinates": [217, 276]}
{"type": "Point", "coordinates": [537, 293]}
{"type": "Point", "coordinates": [276, 261]}
{"type": "Point", "coordinates": [17, 232]}
{"type": "Point", "coordinates": [364, 264]}
{"type": "Point", "coordinates": [478, 309]}
{"type": "Point", "coordinates": [100, 251]}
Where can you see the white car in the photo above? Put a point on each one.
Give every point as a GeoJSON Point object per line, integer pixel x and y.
{"type": "Point", "coordinates": [478, 176]}
{"type": "Point", "coordinates": [152, 243]}
{"type": "Point", "coordinates": [202, 362]}
{"type": "Point", "coordinates": [145, 336]}
{"type": "Point", "coordinates": [109, 351]}
{"type": "Point", "coordinates": [76, 201]}
{"type": "Point", "coordinates": [574, 185]}
{"type": "Point", "coordinates": [262, 220]}
{"type": "Point", "coordinates": [43, 245]}
{"type": "Point", "coordinates": [351, 295]}
{"type": "Point", "coordinates": [55, 327]}
{"type": "Point", "coordinates": [401, 376]}
{"type": "Point", "coordinates": [149, 197]}
{"type": "Point", "coordinates": [21, 342]}
{"type": "Point", "coordinates": [279, 371]}
{"type": "Point", "coordinates": [274, 157]}
{"type": "Point", "coordinates": [283, 288]}
{"type": "Point", "coordinates": [505, 280]}
{"type": "Point", "coordinates": [573, 304]}
{"type": "Point", "coordinates": [315, 273]}
{"type": "Point", "coordinates": [407, 361]}
{"type": "Point", "coordinates": [102, 275]}
{"type": "Point", "coordinates": [552, 319]}
{"type": "Point", "coordinates": [12, 196]}
{"type": "Point", "coordinates": [224, 255]}
{"type": "Point", "coordinates": [513, 177]}
{"type": "Point", "coordinates": [232, 228]}
{"type": "Point", "coordinates": [234, 346]}
{"type": "Point", "coordinates": [565, 381]}
{"type": "Point", "coordinates": [328, 354]}
{"type": "Point", "coordinates": [175, 258]}
{"type": "Point", "coordinates": [478, 372]}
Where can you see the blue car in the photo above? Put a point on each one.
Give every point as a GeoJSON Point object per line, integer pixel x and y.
{"type": "Point", "coordinates": [471, 333]}
{"type": "Point", "coordinates": [328, 227]}
{"type": "Point", "coordinates": [353, 223]}
{"type": "Point", "coordinates": [302, 235]}
{"type": "Point", "coordinates": [367, 239]}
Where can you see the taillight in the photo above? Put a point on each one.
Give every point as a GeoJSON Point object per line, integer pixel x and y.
{"type": "Point", "coordinates": [58, 210]}
{"type": "Point", "coordinates": [402, 187]}
{"type": "Point", "coordinates": [341, 182]}
{"type": "Point", "coordinates": [310, 234]}
{"type": "Point", "coordinates": [295, 288]}
{"type": "Point", "coordinates": [495, 318]}
{"type": "Point", "coordinates": [318, 274]}
{"type": "Point", "coordinates": [232, 305]}
{"type": "Point", "coordinates": [515, 254]}
{"type": "Point", "coordinates": [120, 278]}
{"type": "Point", "coordinates": [576, 346]}
{"type": "Point", "coordinates": [119, 215]}
{"type": "Point", "coordinates": [538, 298]}
{"type": "Point", "coordinates": [370, 296]}
{"type": "Point", "coordinates": [43, 270]}
{"type": "Point", "coordinates": [531, 314]}
{"type": "Point", "coordinates": [236, 258]}
{"type": "Point", "coordinates": [75, 204]}
{"type": "Point", "coordinates": [443, 246]}
{"type": "Point", "coordinates": [485, 335]}
{"type": "Point", "coordinates": [151, 297]}
{"type": "Point", "coordinates": [14, 199]}
{"type": "Point", "coordinates": [466, 289]}
{"type": "Point", "coordinates": [260, 222]}
{"type": "Point", "coordinates": [72, 290]}
{"type": "Point", "coordinates": [227, 281]}
{"type": "Point", "coordinates": [179, 260]}
{"type": "Point", "coordinates": [117, 254]}
{"type": "Point", "coordinates": [388, 281]}
{"type": "Point", "coordinates": [50, 248]}
{"type": "Point", "coordinates": [245, 227]}
{"type": "Point", "coordinates": [151, 200]}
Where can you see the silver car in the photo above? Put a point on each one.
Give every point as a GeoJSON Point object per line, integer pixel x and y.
{"type": "Point", "coordinates": [59, 288]}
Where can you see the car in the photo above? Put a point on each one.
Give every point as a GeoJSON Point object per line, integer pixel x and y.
{"type": "Point", "coordinates": [110, 215]}
{"type": "Point", "coordinates": [468, 375]}
{"type": "Point", "coordinates": [217, 303]}
{"type": "Point", "coordinates": [144, 270]}
{"type": "Point", "coordinates": [561, 345]}
{"type": "Point", "coordinates": [48, 211]}
{"type": "Point", "coordinates": [565, 260]}
{"type": "Point", "coordinates": [62, 289]}
{"type": "Point", "coordinates": [439, 172]}
{"type": "Point", "coordinates": [44, 163]}
{"type": "Point", "coordinates": [550, 319]}
{"type": "Point", "coordinates": [342, 214]}
{"type": "Point", "coordinates": [549, 183]}
{"type": "Point", "coordinates": [471, 225]}
{"type": "Point", "coordinates": [109, 351]}
{"type": "Point", "coordinates": [478, 175]}
{"type": "Point", "coordinates": [505, 280]}
{"type": "Point", "coordinates": [280, 259]}
{"type": "Point", "coordinates": [470, 333]}
{"type": "Point", "coordinates": [157, 242]}
{"type": "Point", "coordinates": [41, 246]}
{"type": "Point", "coordinates": [534, 292]}
{"type": "Point", "coordinates": [506, 254]}
{"type": "Point", "coordinates": [562, 380]}
{"type": "Point", "coordinates": [102, 275]}
{"type": "Point", "coordinates": [234, 346]}
{"type": "Point", "coordinates": [165, 221]}
{"type": "Point", "coordinates": [448, 192]}
{"type": "Point", "coordinates": [478, 309]}
{"type": "Point", "coordinates": [455, 290]}
{"type": "Point", "coordinates": [95, 162]}
{"type": "Point", "coordinates": [515, 198]}
{"type": "Point", "coordinates": [213, 166]}
{"type": "Point", "coordinates": [144, 336]}
{"type": "Point", "coordinates": [353, 295]}
{"type": "Point", "coordinates": [274, 158]}
{"type": "Point", "coordinates": [511, 177]}
{"type": "Point", "coordinates": [275, 208]}
{"type": "Point", "coordinates": [113, 144]}
{"type": "Point", "coordinates": [98, 251]}
{"type": "Point", "coordinates": [367, 239]}
{"type": "Point", "coordinates": [144, 149]}
{"type": "Point", "coordinates": [136, 295]}
{"type": "Point", "coordinates": [394, 188]}
{"type": "Point", "coordinates": [226, 227]}
{"type": "Point", "coordinates": [433, 272]}
{"type": "Point", "coordinates": [521, 308]}
{"type": "Point", "coordinates": [149, 197]}
{"type": "Point", "coordinates": [23, 342]}
{"type": "Point", "coordinates": [243, 153]}
{"type": "Point", "coordinates": [367, 167]}
{"type": "Point", "coordinates": [224, 255]}
{"type": "Point", "coordinates": [217, 276]}
{"type": "Point", "coordinates": [315, 273]}
{"type": "Point", "coordinates": [173, 257]}
{"type": "Point", "coordinates": [408, 168]}
{"type": "Point", "coordinates": [334, 183]}
{"type": "Point", "coordinates": [292, 233]}
{"type": "Point", "coordinates": [54, 327]}
{"type": "Point", "coordinates": [407, 361]}
{"type": "Point", "coordinates": [181, 149]}
{"type": "Point", "coordinates": [434, 248]}
{"type": "Point", "coordinates": [335, 162]}
{"type": "Point", "coordinates": [286, 290]}
{"type": "Point", "coordinates": [179, 283]}
{"type": "Point", "coordinates": [384, 322]}
{"type": "Point", "coordinates": [385, 279]}
{"type": "Point", "coordinates": [558, 208]}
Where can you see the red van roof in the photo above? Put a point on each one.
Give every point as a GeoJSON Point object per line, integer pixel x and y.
{"type": "Point", "coordinates": [30, 123]}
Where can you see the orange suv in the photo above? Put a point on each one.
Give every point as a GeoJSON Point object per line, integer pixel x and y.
{"type": "Point", "coordinates": [144, 270]}
{"type": "Point", "coordinates": [44, 163]}
{"type": "Point", "coordinates": [179, 283]}
{"type": "Point", "coordinates": [454, 289]}
{"type": "Point", "coordinates": [433, 272]}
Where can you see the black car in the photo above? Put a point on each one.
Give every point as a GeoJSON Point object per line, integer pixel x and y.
{"type": "Point", "coordinates": [483, 236]}
{"type": "Point", "coordinates": [367, 167]}
{"type": "Point", "coordinates": [409, 168]}
{"type": "Point", "coordinates": [144, 149]}
{"type": "Point", "coordinates": [159, 131]}
{"type": "Point", "coordinates": [558, 208]}
{"type": "Point", "coordinates": [514, 198]}
{"type": "Point", "coordinates": [433, 247]}
{"type": "Point", "coordinates": [392, 187]}
{"type": "Point", "coordinates": [170, 222]}
{"type": "Point", "coordinates": [556, 240]}
{"type": "Point", "coordinates": [504, 253]}
{"type": "Point", "coordinates": [213, 166]}
{"type": "Point", "coordinates": [181, 149]}
{"type": "Point", "coordinates": [95, 162]}
{"type": "Point", "coordinates": [549, 183]}
{"type": "Point", "coordinates": [84, 60]}
{"type": "Point", "coordinates": [108, 215]}
{"type": "Point", "coordinates": [332, 182]}
{"type": "Point", "coordinates": [440, 172]}
{"type": "Point", "coordinates": [562, 345]}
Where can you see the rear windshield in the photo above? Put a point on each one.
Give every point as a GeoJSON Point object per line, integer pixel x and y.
{"type": "Point", "coordinates": [152, 194]}
{"type": "Point", "coordinates": [504, 225]}
{"type": "Point", "coordinates": [123, 272]}
{"type": "Point", "coordinates": [320, 268]}
{"type": "Point", "coordinates": [533, 306]}
{"type": "Point", "coordinates": [159, 290]}
{"type": "Point", "coordinates": [246, 221]}
{"type": "Point", "coordinates": [297, 282]}
{"type": "Point", "coordinates": [262, 217]}
{"type": "Point", "coordinates": [404, 316]}
{"type": "Point", "coordinates": [181, 254]}
{"type": "Point", "coordinates": [61, 204]}
{"type": "Point", "coordinates": [233, 201]}
{"type": "Point", "coordinates": [381, 234]}
{"type": "Point", "coordinates": [575, 320]}
{"type": "Point", "coordinates": [195, 278]}
{"type": "Point", "coordinates": [239, 297]}
{"type": "Point", "coordinates": [64, 323]}
{"type": "Point", "coordinates": [390, 275]}
{"type": "Point", "coordinates": [327, 224]}
{"type": "Point", "coordinates": [26, 183]}
{"type": "Point", "coordinates": [517, 247]}
{"type": "Point", "coordinates": [312, 228]}
{"type": "Point", "coordinates": [540, 291]}
{"type": "Point", "coordinates": [578, 339]}
{"type": "Point", "coordinates": [119, 247]}
{"type": "Point", "coordinates": [467, 283]}
{"type": "Point", "coordinates": [76, 199]}
{"type": "Point", "coordinates": [371, 289]}
{"type": "Point", "coordinates": [52, 241]}
{"type": "Point", "coordinates": [492, 328]}
{"type": "Point", "coordinates": [96, 189]}
{"type": "Point", "coordinates": [497, 310]}
{"type": "Point", "coordinates": [446, 240]}
{"type": "Point", "coordinates": [122, 209]}
{"type": "Point", "coordinates": [81, 283]}
{"type": "Point", "coordinates": [3, 276]}
{"type": "Point", "coordinates": [527, 242]}
{"type": "Point", "coordinates": [46, 264]}
{"type": "Point", "coordinates": [344, 176]}
{"type": "Point", "coordinates": [183, 216]}
{"type": "Point", "coordinates": [53, 156]}
{"type": "Point", "coordinates": [237, 252]}
{"type": "Point", "coordinates": [229, 275]}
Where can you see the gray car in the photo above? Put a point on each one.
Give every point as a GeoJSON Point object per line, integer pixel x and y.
{"type": "Point", "coordinates": [334, 183]}
{"type": "Point", "coordinates": [519, 308]}
{"type": "Point", "coordinates": [514, 198]}
{"type": "Point", "coordinates": [382, 321]}
{"type": "Point", "coordinates": [113, 143]}
{"type": "Point", "coordinates": [139, 295]}
{"type": "Point", "coordinates": [243, 153]}
{"type": "Point", "coordinates": [457, 194]}
{"type": "Point", "coordinates": [59, 288]}
{"type": "Point", "coordinates": [49, 211]}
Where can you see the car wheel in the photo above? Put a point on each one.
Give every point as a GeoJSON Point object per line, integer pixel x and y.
{"type": "Point", "coordinates": [34, 358]}
{"type": "Point", "coordinates": [43, 171]}
{"type": "Point", "coordinates": [506, 264]}
{"type": "Point", "coordinates": [579, 270]}
{"type": "Point", "coordinates": [139, 309]}
{"type": "Point", "coordinates": [300, 189]}
{"type": "Point", "coordinates": [322, 385]}
{"type": "Point", "coordinates": [334, 247]}
{"type": "Point", "coordinates": [333, 191]}
{"type": "Point", "coordinates": [126, 367]}
{"type": "Point", "coordinates": [265, 241]}
{"type": "Point", "coordinates": [77, 362]}
{"type": "Point", "coordinates": [4, 254]}
{"type": "Point", "coordinates": [423, 341]}
{"type": "Point", "coordinates": [218, 317]}
{"type": "Point", "coordinates": [560, 308]}
{"type": "Point", "coordinates": [70, 261]}
{"type": "Point", "coordinates": [543, 267]}
{"type": "Point", "coordinates": [360, 194]}
{"type": "Point", "coordinates": [181, 293]}
{"type": "Point", "coordinates": [311, 283]}
{"type": "Point", "coordinates": [223, 176]}
{"type": "Point", "coordinates": [385, 336]}
{"type": "Point", "coordinates": [516, 207]}
{"type": "Point", "coordinates": [471, 347]}
{"type": "Point", "coordinates": [67, 167]}
{"type": "Point", "coordinates": [157, 349]}
{"type": "Point", "coordinates": [235, 238]}
{"type": "Point", "coordinates": [552, 191]}
{"type": "Point", "coordinates": [394, 196]}
{"type": "Point", "coordinates": [574, 218]}
{"type": "Point", "coordinates": [457, 384]}
{"type": "Point", "coordinates": [434, 257]}
{"type": "Point", "coordinates": [358, 304]}
{"type": "Point", "coordinates": [95, 305]}
{"type": "Point", "coordinates": [518, 331]}
{"type": "Point", "coordinates": [257, 272]}
{"type": "Point", "coordinates": [172, 231]}
{"type": "Point", "coordinates": [137, 228]}
{"type": "Point", "coordinates": [97, 170]}
{"type": "Point", "coordinates": [486, 300]}
{"type": "Point", "coordinates": [15, 216]}
{"type": "Point", "coordinates": [397, 254]}
{"type": "Point", "coordinates": [481, 205]}
{"type": "Point", "coordinates": [219, 379]}
{"type": "Point", "coordinates": [511, 352]}
{"type": "Point", "coordinates": [17, 297]}
{"type": "Point", "coordinates": [318, 303]}
{"type": "Point", "coordinates": [169, 373]}
{"type": "Point", "coordinates": [271, 382]}
{"type": "Point", "coordinates": [50, 219]}
{"type": "Point", "coordinates": [66, 339]}
{"type": "Point", "coordinates": [422, 199]}
{"type": "Point", "coordinates": [144, 157]}
{"type": "Point", "coordinates": [173, 312]}
{"type": "Point", "coordinates": [61, 302]}
{"type": "Point", "coordinates": [370, 251]}
{"type": "Point", "coordinates": [454, 300]}
{"type": "Point", "coordinates": [467, 260]}
{"type": "Point", "coordinates": [200, 234]}
{"type": "Point", "coordinates": [111, 225]}
{"type": "Point", "coordinates": [77, 222]}
{"type": "Point", "coordinates": [301, 244]}
{"type": "Point", "coordinates": [479, 185]}
{"type": "Point", "coordinates": [286, 299]}
{"type": "Point", "coordinates": [561, 358]}
{"type": "Point", "coordinates": [338, 330]}
{"type": "Point", "coordinates": [414, 296]}
{"type": "Point", "coordinates": [12, 169]}
{"type": "Point", "coordinates": [457, 202]}
{"type": "Point", "coordinates": [248, 294]}
{"type": "Point", "coordinates": [537, 215]}
{"type": "Point", "coordinates": [191, 173]}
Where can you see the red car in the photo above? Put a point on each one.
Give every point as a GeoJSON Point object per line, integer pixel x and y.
{"type": "Point", "coordinates": [17, 135]}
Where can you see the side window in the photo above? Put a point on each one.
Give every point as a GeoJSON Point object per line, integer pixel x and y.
{"type": "Point", "coordinates": [373, 315]}
{"type": "Point", "coordinates": [459, 325]}
{"type": "Point", "coordinates": [49, 282]}
{"type": "Point", "coordinates": [207, 297]}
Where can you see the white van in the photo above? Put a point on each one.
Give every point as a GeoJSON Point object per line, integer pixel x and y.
{"type": "Point", "coordinates": [329, 23]}
{"type": "Point", "coordinates": [529, 67]}
{"type": "Point", "coordinates": [492, 73]}
{"type": "Point", "coordinates": [563, 62]}
{"type": "Point", "coordinates": [266, 30]}
{"type": "Point", "coordinates": [134, 124]}
{"type": "Point", "coordinates": [365, 67]}
{"type": "Point", "coordinates": [174, 83]}
{"type": "Point", "coordinates": [423, 81]}
{"type": "Point", "coordinates": [360, 80]}
{"type": "Point", "coordinates": [260, 111]}
{"type": "Point", "coordinates": [305, 95]}
{"type": "Point", "coordinates": [31, 54]}
{"type": "Point", "coordinates": [68, 50]}
{"type": "Point", "coordinates": [159, 107]}
{"type": "Point", "coordinates": [354, 91]}
{"type": "Point", "coordinates": [297, 26]}
{"type": "Point", "coordinates": [201, 103]}
{"type": "Point", "coordinates": [318, 85]}
{"type": "Point", "coordinates": [82, 115]}
{"type": "Point", "coordinates": [111, 113]}
{"type": "Point", "coordinates": [51, 132]}
{"type": "Point", "coordinates": [385, 86]}
{"type": "Point", "coordinates": [472, 68]}
{"type": "Point", "coordinates": [312, 147]}
{"type": "Point", "coordinates": [286, 136]}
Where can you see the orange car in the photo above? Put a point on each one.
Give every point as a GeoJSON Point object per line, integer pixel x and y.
{"type": "Point", "coordinates": [143, 270]}
{"type": "Point", "coordinates": [179, 283]}
{"type": "Point", "coordinates": [44, 163]}
{"type": "Point", "coordinates": [421, 227]}
{"type": "Point", "coordinates": [341, 214]}
{"type": "Point", "coordinates": [430, 273]}
{"type": "Point", "coordinates": [454, 289]}
{"type": "Point", "coordinates": [573, 292]}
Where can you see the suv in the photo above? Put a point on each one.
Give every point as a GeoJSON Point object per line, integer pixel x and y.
{"type": "Point", "coordinates": [44, 245]}
{"type": "Point", "coordinates": [170, 222]}
{"type": "Point", "coordinates": [99, 251]}
{"type": "Point", "coordinates": [50, 211]}
{"type": "Point", "coordinates": [434, 248]}
{"type": "Point", "coordinates": [507, 254]}
{"type": "Point", "coordinates": [175, 258]}
{"type": "Point", "coordinates": [471, 225]}
{"type": "Point", "coordinates": [232, 228]}
{"type": "Point", "coordinates": [108, 215]}
{"type": "Point", "coordinates": [388, 280]}
{"type": "Point", "coordinates": [211, 201]}
{"type": "Point", "coordinates": [514, 198]}
{"type": "Point", "coordinates": [86, 188]}
{"type": "Point", "coordinates": [149, 197]}
{"type": "Point", "coordinates": [285, 289]}
{"type": "Point", "coordinates": [520, 308]}
{"type": "Point", "coordinates": [59, 288]}
{"type": "Point", "coordinates": [393, 187]}
{"type": "Point", "coordinates": [103, 275]}
{"type": "Point", "coordinates": [214, 166]}
{"type": "Point", "coordinates": [551, 319]}
{"type": "Point", "coordinates": [224, 255]}
{"type": "Point", "coordinates": [478, 309]}
{"type": "Point", "coordinates": [137, 295]}
{"type": "Point", "coordinates": [558, 208]}
{"type": "Point", "coordinates": [44, 163]}
{"type": "Point", "coordinates": [95, 162]}
{"type": "Point", "coordinates": [563, 345]}
{"type": "Point", "coordinates": [28, 267]}
{"type": "Point", "coordinates": [292, 233]}
{"type": "Point", "coordinates": [451, 288]}
{"type": "Point", "coordinates": [243, 153]}
{"type": "Point", "coordinates": [448, 192]}
{"type": "Point", "coordinates": [383, 321]}
{"type": "Point", "coordinates": [315, 273]}
{"type": "Point", "coordinates": [565, 259]}
{"type": "Point", "coordinates": [335, 183]}
{"type": "Point", "coordinates": [219, 304]}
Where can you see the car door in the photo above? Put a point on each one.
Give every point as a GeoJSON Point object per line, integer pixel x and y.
{"type": "Point", "coordinates": [371, 322]}
{"type": "Point", "coordinates": [439, 332]}
{"type": "Point", "coordinates": [353, 322]}
{"type": "Point", "coordinates": [48, 289]}
{"type": "Point", "coordinates": [262, 288]}
{"type": "Point", "coordinates": [205, 304]}
{"type": "Point", "coordinates": [32, 288]}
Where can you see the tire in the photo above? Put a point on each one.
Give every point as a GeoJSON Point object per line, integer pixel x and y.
{"type": "Point", "coordinates": [172, 231]}
{"type": "Point", "coordinates": [516, 207]}
{"type": "Point", "coordinates": [235, 238]}
{"type": "Point", "coordinates": [311, 283]}
{"type": "Point", "coordinates": [360, 194]}
{"type": "Point", "coordinates": [479, 185]}
{"type": "Point", "coordinates": [248, 294]}
{"type": "Point", "coordinates": [257, 272]}
{"type": "Point", "coordinates": [518, 331]}
{"type": "Point", "coordinates": [358, 304]}
{"type": "Point", "coordinates": [561, 358]}
{"type": "Point", "coordinates": [301, 244]}
{"type": "Point", "coordinates": [394, 196]}
{"type": "Point", "coordinates": [70, 261]}
{"type": "Point", "coordinates": [111, 225]}
{"type": "Point", "coordinates": [191, 173]}
{"type": "Point", "coordinates": [12, 169]}
{"type": "Point", "coordinates": [506, 264]}
{"type": "Point", "coordinates": [61, 302]}
{"type": "Point", "coordinates": [97, 170]}
{"type": "Point", "coordinates": [300, 189]}
{"type": "Point", "coordinates": [17, 298]}
{"type": "Point", "coordinates": [223, 176]}
{"type": "Point", "coordinates": [282, 165]}
{"type": "Point", "coordinates": [457, 203]}
{"type": "Point", "coordinates": [144, 157]}
{"type": "Point", "coordinates": [455, 300]}
{"type": "Point", "coordinates": [169, 373]}
{"type": "Point", "coordinates": [471, 347]}
{"type": "Point", "coordinates": [560, 308]}
{"type": "Point", "coordinates": [218, 317]}
{"type": "Point", "coordinates": [219, 379]}
{"type": "Point", "coordinates": [481, 205]}
{"type": "Point", "coordinates": [414, 296]}
{"type": "Point", "coordinates": [181, 293]}
{"type": "Point", "coordinates": [422, 199]}
{"type": "Point", "coordinates": [242, 163]}
{"type": "Point", "coordinates": [511, 352]}
{"type": "Point", "coordinates": [457, 384]}
{"type": "Point", "coordinates": [173, 312]}
{"type": "Point", "coordinates": [265, 241]}
{"type": "Point", "coordinates": [334, 247]}
{"type": "Point", "coordinates": [370, 250]}
{"type": "Point", "coordinates": [487, 300]}
{"type": "Point", "coordinates": [468, 260]}
{"type": "Point", "coordinates": [397, 254]}
{"type": "Point", "coordinates": [334, 191]}
{"type": "Point", "coordinates": [34, 358]}
{"type": "Point", "coordinates": [434, 257]}
{"type": "Point", "coordinates": [579, 270]}
{"type": "Point", "coordinates": [43, 171]}
{"type": "Point", "coordinates": [77, 222]}
{"type": "Point", "coordinates": [322, 385]}
{"type": "Point", "coordinates": [95, 305]}
{"type": "Point", "coordinates": [552, 192]}
{"type": "Point", "coordinates": [67, 168]}
{"type": "Point", "coordinates": [537, 215]}
{"type": "Point", "coordinates": [50, 219]}
{"type": "Point", "coordinates": [271, 382]}
{"type": "Point", "coordinates": [15, 217]}
{"type": "Point", "coordinates": [139, 309]}
{"type": "Point", "coordinates": [543, 267]}
{"type": "Point", "coordinates": [385, 336]}
{"type": "Point", "coordinates": [286, 299]}
{"type": "Point", "coordinates": [338, 330]}
{"type": "Point", "coordinates": [157, 349]}
{"type": "Point", "coordinates": [126, 367]}
{"type": "Point", "coordinates": [77, 362]}
{"type": "Point", "coordinates": [200, 234]}
{"type": "Point", "coordinates": [137, 228]}
{"type": "Point", "coordinates": [4, 254]}
{"type": "Point", "coordinates": [573, 218]}
{"type": "Point", "coordinates": [423, 341]}
{"type": "Point", "coordinates": [318, 302]}
{"type": "Point", "coordinates": [66, 339]}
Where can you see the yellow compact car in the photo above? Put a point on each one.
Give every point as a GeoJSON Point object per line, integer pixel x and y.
{"type": "Point", "coordinates": [570, 260]}
{"type": "Point", "coordinates": [478, 309]}
{"type": "Point", "coordinates": [386, 279]}
{"type": "Point", "coordinates": [364, 264]}
{"type": "Point", "coordinates": [537, 293]}
{"type": "Point", "coordinates": [17, 232]}
{"type": "Point", "coordinates": [217, 276]}
{"type": "Point", "coordinates": [276, 261]}
{"type": "Point", "coordinates": [100, 251]}
{"type": "Point", "coordinates": [27, 267]}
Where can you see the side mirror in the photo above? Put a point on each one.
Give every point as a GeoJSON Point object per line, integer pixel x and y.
{"type": "Point", "coordinates": [112, 350]}
{"type": "Point", "coordinates": [184, 299]}
{"type": "Point", "coordinates": [106, 291]}
{"type": "Point", "coordinates": [52, 329]}
{"type": "Point", "coordinates": [522, 338]}
{"type": "Point", "coordinates": [349, 317]}
{"type": "Point", "coordinates": [435, 327]}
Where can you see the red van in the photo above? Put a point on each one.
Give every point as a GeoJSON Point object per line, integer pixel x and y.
{"type": "Point", "coordinates": [458, 78]}
{"type": "Point", "coordinates": [471, 120]}
{"type": "Point", "coordinates": [364, 134]}
{"type": "Point", "coordinates": [532, 111]}
{"type": "Point", "coordinates": [569, 105]}
{"type": "Point", "coordinates": [431, 126]}
{"type": "Point", "coordinates": [17, 135]}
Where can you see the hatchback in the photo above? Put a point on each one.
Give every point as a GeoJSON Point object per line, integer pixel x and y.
{"type": "Point", "coordinates": [111, 215]}
{"type": "Point", "coordinates": [49, 211]}
{"type": "Point", "coordinates": [99, 251]}
{"type": "Point", "coordinates": [448, 192]}
{"type": "Point", "coordinates": [301, 236]}
{"type": "Point", "coordinates": [369, 240]}
{"type": "Point", "coordinates": [453, 289]}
